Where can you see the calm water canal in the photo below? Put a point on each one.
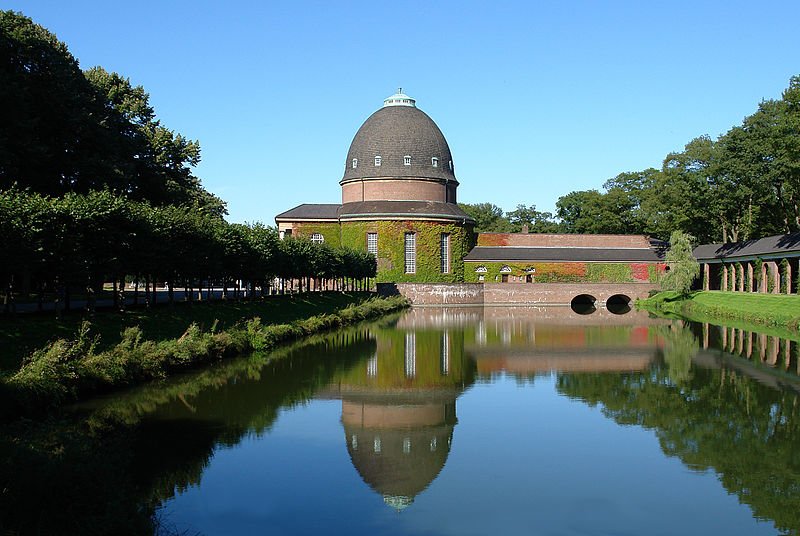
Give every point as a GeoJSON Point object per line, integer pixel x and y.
{"type": "Point", "coordinates": [484, 421]}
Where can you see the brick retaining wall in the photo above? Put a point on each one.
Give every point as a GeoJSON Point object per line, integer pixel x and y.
{"type": "Point", "coordinates": [508, 294]}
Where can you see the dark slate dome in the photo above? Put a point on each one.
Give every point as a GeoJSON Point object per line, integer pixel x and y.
{"type": "Point", "coordinates": [395, 132]}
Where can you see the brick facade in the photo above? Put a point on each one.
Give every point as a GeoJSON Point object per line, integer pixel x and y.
{"type": "Point", "coordinates": [563, 240]}
{"type": "Point", "coordinates": [395, 190]}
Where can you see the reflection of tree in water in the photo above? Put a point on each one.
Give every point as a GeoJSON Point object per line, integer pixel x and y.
{"type": "Point", "coordinates": [108, 473]}
{"type": "Point", "coordinates": [712, 419]}
{"type": "Point", "coordinates": [680, 346]}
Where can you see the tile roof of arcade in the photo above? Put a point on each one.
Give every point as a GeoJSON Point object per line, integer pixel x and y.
{"type": "Point", "coordinates": [771, 246]}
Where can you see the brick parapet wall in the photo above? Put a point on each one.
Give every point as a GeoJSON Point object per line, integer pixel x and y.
{"type": "Point", "coordinates": [560, 293]}
{"type": "Point", "coordinates": [563, 240]}
{"type": "Point", "coordinates": [436, 293]}
{"type": "Point", "coordinates": [508, 294]}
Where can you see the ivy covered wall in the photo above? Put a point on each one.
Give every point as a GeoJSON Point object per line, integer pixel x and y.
{"type": "Point", "coordinates": [391, 248]}
{"type": "Point", "coordinates": [391, 256]}
{"type": "Point", "coordinates": [329, 230]}
{"type": "Point", "coordinates": [565, 272]}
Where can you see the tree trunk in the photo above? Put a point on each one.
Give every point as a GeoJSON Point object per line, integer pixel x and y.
{"type": "Point", "coordinates": [114, 291]}
{"type": "Point", "coordinates": [90, 298]}
{"type": "Point", "coordinates": [122, 298]}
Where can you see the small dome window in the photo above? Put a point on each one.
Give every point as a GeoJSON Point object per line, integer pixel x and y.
{"type": "Point", "coordinates": [435, 162]}
{"type": "Point", "coordinates": [407, 160]}
{"type": "Point", "coordinates": [355, 163]}
{"type": "Point", "coordinates": [451, 165]}
{"type": "Point", "coordinates": [378, 160]}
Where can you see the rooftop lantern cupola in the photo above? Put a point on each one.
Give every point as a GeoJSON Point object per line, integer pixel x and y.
{"type": "Point", "coordinates": [399, 99]}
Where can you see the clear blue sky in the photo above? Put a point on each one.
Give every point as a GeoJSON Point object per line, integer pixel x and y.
{"type": "Point", "coordinates": [536, 99]}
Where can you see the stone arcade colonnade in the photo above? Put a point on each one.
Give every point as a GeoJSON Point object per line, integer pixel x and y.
{"type": "Point", "coordinates": [767, 265]}
{"type": "Point", "coordinates": [772, 276]}
{"type": "Point", "coordinates": [744, 277]}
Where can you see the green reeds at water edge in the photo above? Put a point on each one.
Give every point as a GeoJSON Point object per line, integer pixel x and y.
{"type": "Point", "coordinates": [66, 370]}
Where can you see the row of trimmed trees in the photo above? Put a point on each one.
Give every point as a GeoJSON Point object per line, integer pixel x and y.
{"type": "Point", "coordinates": [55, 246]}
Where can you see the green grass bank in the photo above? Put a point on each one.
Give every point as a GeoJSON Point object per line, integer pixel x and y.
{"type": "Point", "coordinates": [770, 310]}
{"type": "Point", "coordinates": [68, 369]}
{"type": "Point", "coordinates": [21, 334]}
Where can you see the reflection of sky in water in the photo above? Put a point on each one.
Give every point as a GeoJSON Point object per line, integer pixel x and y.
{"type": "Point", "coordinates": [524, 460]}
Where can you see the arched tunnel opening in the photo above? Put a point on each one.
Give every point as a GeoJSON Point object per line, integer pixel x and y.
{"type": "Point", "coordinates": [583, 304]}
{"type": "Point", "coordinates": [618, 304]}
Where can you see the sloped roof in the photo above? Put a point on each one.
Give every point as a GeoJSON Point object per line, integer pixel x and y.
{"type": "Point", "coordinates": [409, 209]}
{"type": "Point", "coordinates": [771, 245]}
{"type": "Point", "coordinates": [375, 210]}
{"type": "Point", "coordinates": [571, 254]}
{"type": "Point", "coordinates": [310, 211]}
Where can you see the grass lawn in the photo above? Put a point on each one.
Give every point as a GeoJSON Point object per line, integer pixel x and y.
{"type": "Point", "coordinates": [777, 310]}
{"type": "Point", "coordinates": [21, 334]}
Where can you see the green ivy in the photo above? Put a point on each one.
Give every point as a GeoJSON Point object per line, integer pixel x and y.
{"type": "Point", "coordinates": [653, 274]}
{"type": "Point", "coordinates": [757, 264]}
{"type": "Point", "coordinates": [737, 269]}
{"type": "Point", "coordinates": [554, 272]}
{"type": "Point", "coordinates": [609, 273]}
{"type": "Point", "coordinates": [784, 276]}
{"type": "Point", "coordinates": [391, 248]}
{"type": "Point", "coordinates": [329, 231]}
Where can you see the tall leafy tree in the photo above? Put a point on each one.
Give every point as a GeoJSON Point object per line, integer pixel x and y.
{"type": "Point", "coordinates": [488, 217]}
{"type": "Point", "coordinates": [535, 221]}
{"type": "Point", "coordinates": [683, 268]}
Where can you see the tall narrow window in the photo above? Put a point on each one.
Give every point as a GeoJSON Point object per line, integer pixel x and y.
{"type": "Point", "coordinates": [372, 243]}
{"type": "Point", "coordinates": [411, 354]}
{"type": "Point", "coordinates": [445, 249]}
{"type": "Point", "coordinates": [411, 253]}
{"type": "Point", "coordinates": [378, 160]}
{"type": "Point", "coordinates": [317, 238]}
{"type": "Point", "coordinates": [407, 160]}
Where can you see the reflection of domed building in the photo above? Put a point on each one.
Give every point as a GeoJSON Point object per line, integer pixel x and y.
{"type": "Point", "coordinates": [398, 445]}
{"type": "Point", "coordinates": [399, 410]}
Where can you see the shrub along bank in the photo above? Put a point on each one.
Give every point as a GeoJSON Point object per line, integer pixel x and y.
{"type": "Point", "coordinates": [761, 309]}
{"type": "Point", "coordinates": [22, 334]}
{"type": "Point", "coordinates": [66, 370]}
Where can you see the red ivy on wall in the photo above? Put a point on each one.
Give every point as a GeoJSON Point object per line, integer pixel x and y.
{"type": "Point", "coordinates": [493, 239]}
{"type": "Point", "coordinates": [640, 272]}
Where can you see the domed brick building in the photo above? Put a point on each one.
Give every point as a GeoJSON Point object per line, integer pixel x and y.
{"type": "Point", "coordinates": [399, 192]}
{"type": "Point", "coordinates": [398, 199]}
